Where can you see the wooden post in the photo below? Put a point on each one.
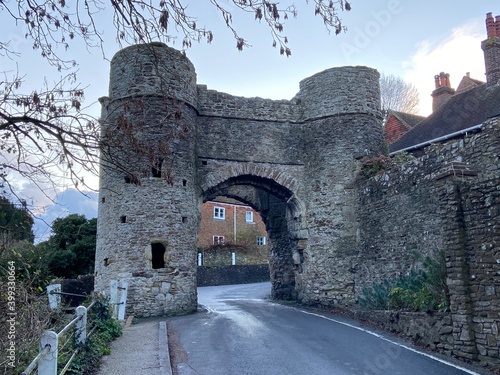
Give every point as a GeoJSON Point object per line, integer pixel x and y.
{"type": "Point", "coordinates": [113, 296]}
{"type": "Point", "coordinates": [123, 300]}
{"type": "Point", "coordinates": [81, 325]}
{"type": "Point", "coordinates": [48, 363]}
{"type": "Point", "coordinates": [54, 299]}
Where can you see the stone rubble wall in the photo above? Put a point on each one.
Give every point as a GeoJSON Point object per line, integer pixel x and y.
{"type": "Point", "coordinates": [135, 73]}
{"type": "Point", "coordinates": [213, 103]}
{"type": "Point", "coordinates": [448, 199]}
{"type": "Point", "coordinates": [228, 275]}
{"type": "Point", "coordinates": [298, 162]}
{"type": "Point", "coordinates": [290, 159]}
{"type": "Point", "coordinates": [338, 91]}
{"type": "Point", "coordinates": [432, 331]}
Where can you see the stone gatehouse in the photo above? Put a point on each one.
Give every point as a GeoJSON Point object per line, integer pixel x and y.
{"type": "Point", "coordinates": [295, 162]}
{"type": "Point", "coordinates": [171, 144]}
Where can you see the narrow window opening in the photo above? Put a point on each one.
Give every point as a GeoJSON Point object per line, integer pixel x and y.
{"type": "Point", "coordinates": [123, 219]}
{"type": "Point", "coordinates": [131, 179]}
{"type": "Point", "coordinates": [204, 162]}
{"type": "Point", "coordinates": [184, 182]}
{"type": "Point", "coordinates": [103, 200]}
{"type": "Point", "coordinates": [184, 219]}
{"type": "Point", "coordinates": [249, 217]}
{"type": "Point", "coordinates": [156, 169]}
{"type": "Point", "coordinates": [106, 262]}
{"type": "Point", "coordinates": [157, 255]}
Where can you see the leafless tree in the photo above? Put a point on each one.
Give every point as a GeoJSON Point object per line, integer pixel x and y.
{"type": "Point", "coordinates": [48, 128]}
{"type": "Point", "coordinates": [398, 95]}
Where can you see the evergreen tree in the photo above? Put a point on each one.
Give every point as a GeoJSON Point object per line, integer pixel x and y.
{"type": "Point", "coordinates": [15, 225]}
{"type": "Point", "coordinates": [70, 251]}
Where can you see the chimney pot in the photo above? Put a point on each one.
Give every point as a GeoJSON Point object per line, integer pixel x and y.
{"type": "Point", "coordinates": [443, 91]}
{"type": "Point", "coordinates": [436, 81]}
{"type": "Point", "coordinates": [467, 74]}
{"type": "Point", "coordinates": [491, 26]}
{"type": "Point", "coordinates": [447, 76]}
{"type": "Point", "coordinates": [491, 49]}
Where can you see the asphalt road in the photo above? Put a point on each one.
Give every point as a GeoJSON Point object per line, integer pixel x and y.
{"type": "Point", "coordinates": [239, 331]}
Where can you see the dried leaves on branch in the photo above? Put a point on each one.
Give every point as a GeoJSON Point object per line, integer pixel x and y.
{"type": "Point", "coordinates": [143, 21]}
{"type": "Point", "coordinates": [44, 134]}
{"type": "Point", "coordinates": [47, 128]}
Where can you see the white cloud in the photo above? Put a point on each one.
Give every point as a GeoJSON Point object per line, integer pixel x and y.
{"type": "Point", "coordinates": [457, 53]}
{"type": "Point", "coordinates": [67, 202]}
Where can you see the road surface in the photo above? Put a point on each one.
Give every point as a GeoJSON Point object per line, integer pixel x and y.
{"type": "Point", "coordinates": [239, 331]}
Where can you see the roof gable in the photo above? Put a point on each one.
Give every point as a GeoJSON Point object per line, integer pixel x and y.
{"type": "Point", "coordinates": [409, 119]}
{"type": "Point", "coordinates": [467, 84]}
{"type": "Point", "coordinates": [399, 123]}
{"type": "Point", "coordinates": [461, 112]}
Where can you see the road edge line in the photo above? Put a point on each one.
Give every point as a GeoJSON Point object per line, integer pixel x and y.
{"type": "Point", "coordinates": [390, 341]}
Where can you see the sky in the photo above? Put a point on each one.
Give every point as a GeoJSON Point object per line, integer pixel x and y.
{"type": "Point", "coordinates": [414, 40]}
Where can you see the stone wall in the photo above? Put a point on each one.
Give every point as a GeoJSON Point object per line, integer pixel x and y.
{"type": "Point", "coordinates": [223, 256]}
{"type": "Point", "coordinates": [432, 331]}
{"type": "Point", "coordinates": [287, 159]}
{"type": "Point", "coordinates": [227, 275]}
{"type": "Point", "coordinates": [331, 229]}
{"type": "Point", "coordinates": [219, 104]}
{"type": "Point", "coordinates": [448, 199]}
{"type": "Point", "coordinates": [80, 288]}
{"type": "Point", "coordinates": [149, 114]}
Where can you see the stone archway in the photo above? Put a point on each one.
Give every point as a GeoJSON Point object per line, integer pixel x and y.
{"type": "Point", "coordinates": [295, 161]}
{"type": "Point", "coordinates": [281, 213]}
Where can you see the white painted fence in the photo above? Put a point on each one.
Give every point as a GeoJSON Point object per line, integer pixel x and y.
{"type": "Point", "coordinates": [51, 342]}
{"type": "Point", "coordinates": [46, 360]}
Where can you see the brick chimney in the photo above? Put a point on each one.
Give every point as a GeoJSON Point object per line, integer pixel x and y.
{"type": "Point", "coordinates": [491, 48]}
{"type": "Point", "coordinates": [443, 91]}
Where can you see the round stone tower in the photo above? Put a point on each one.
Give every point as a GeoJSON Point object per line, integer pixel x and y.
{"type": "Point", "coordinates": [342, 129]}
{"type": "Point", "coordinates": [148, 210]}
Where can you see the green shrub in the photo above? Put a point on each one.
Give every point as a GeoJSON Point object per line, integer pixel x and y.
{"type": "Point", "coordinates": [377, 296]}
{"type": "Point", "coordinates": [97, 345]}
{"type": "Point", "coordinates": [421, 290]}
{"type": "Point", "coordinates": [402, 158]}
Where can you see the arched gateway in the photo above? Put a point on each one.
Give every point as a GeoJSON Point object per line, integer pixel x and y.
{"type": "Point", "coordinates": [170, 144]}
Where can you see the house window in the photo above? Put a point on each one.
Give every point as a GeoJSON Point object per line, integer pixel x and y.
{"type": "Point", "coordinates": [249, 217]}
{"type": "Point", "coordinates": [218, 240]}
{"type": "Point", "coordinates": [261, 240]}
{"type": "Point", "coordinates": [219, 213]}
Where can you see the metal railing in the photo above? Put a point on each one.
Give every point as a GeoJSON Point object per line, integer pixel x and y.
{"type": "Point", "coordinates": [52, 343]}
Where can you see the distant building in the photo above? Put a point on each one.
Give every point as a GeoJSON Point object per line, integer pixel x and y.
{"type": "Point", "coordinates": [227, 221]}
{"type": "Point", "coordinates": [398, 124]}
{"type": "Point", "coordinates": [457, 112]}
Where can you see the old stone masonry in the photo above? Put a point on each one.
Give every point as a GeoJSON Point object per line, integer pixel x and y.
{"type": "Point", "coordinates": [170, 144]}
{"type": "Point", "coordinates": [294, 161]}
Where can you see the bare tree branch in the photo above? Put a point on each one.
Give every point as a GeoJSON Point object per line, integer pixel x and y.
{"type": "Point", "coordinates": [398, 95]}
{"type": "Point", "coordinates": [44, 131]}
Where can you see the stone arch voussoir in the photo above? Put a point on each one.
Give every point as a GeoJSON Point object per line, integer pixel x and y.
{"type": "Point", "coordinates": [224, 172]}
